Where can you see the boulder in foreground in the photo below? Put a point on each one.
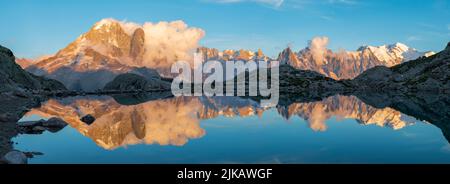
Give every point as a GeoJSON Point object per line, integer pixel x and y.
{"type": "Point", "coordinates": [15, 157]}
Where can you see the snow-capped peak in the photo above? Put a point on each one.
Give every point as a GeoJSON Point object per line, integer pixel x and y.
{"type": "Point", "coordinates": [349, 64]}
{"type": "Point", "coordinates": [399, 46]}
{"type": "Point", "coordinates": [392, 52]}
{"type": "Point", "coordinates": [105, 23]}
{"type": "Point", "coordinates": [396, 46]}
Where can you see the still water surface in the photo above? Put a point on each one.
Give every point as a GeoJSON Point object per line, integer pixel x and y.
{"type": "Point", "coordinates": [337, 129]}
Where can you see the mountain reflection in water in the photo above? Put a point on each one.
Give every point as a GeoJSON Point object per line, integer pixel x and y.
{"type": "Point", "coordinates": [122, 121]}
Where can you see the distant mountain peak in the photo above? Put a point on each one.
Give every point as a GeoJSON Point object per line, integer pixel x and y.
{"type": "Point", "coordinates": [399, 45]}
{"type": "Point", "coordinates": [349, 64]}
{"type": "Point", "coordinates": [105, 23]}
{"type": "Point", "coordinates": [287, 56]}
{"type": "Point", "coordinates": [231, 55]}
{"type": "Point", "coordinates": [423, 74]}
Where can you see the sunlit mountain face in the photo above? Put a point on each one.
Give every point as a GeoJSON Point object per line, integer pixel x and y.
{"type": "Point", "coordinates": [175, 121]}
{"type": "Point", "coordinates": [345, 64]}
{"type": "Point", "coordinates": [111, 47]}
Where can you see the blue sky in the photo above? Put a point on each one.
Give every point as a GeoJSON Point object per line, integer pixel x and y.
{"type": "Point", "coordinates": [35, 28]}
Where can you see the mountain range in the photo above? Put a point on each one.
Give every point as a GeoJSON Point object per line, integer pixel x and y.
{"type": "Point", "coordinates": [348, 64]}
{"type": "Point", "coordinates": [423, 74]}
{"type": "Point", "coordinates": [112, 47]}
{"type": "Point", "coordinates": [232, 55]}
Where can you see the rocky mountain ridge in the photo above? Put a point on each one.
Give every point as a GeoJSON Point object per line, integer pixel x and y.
{"type": "Point", "coordinates": [423, 74]}
{"type": "Point", "coordinates": [348, 64]}
{"type": "Point", "coordinates": [14, 78]}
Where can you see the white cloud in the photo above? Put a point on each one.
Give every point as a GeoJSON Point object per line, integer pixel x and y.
{"type": "Point", "coordinates": [165, 42]}
{"type": "Point", "coordinates": [318, 47]}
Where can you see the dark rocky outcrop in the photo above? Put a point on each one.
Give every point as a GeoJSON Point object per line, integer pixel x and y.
{"type": "Point", "coordinates": [138, 98]}
{"type": "Point", "coordinates": [134, 82]}
{"type": "Point", "coordinates": [54, 122]}
{"type": "Point", "coordinates": [15, 157]}
{"type": "Point", "coordinates": [20, 90]}
{"type": "Point", "coordinates": [37, 127]}
{"type": "Point", "coordinates": [14, 78]}
{"type": "Point", "coordinates": [88, 119]}
{"type": "Point", "coordinates": [8, 131]}
{"type": "Point", "coordinates": [294, 82]}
